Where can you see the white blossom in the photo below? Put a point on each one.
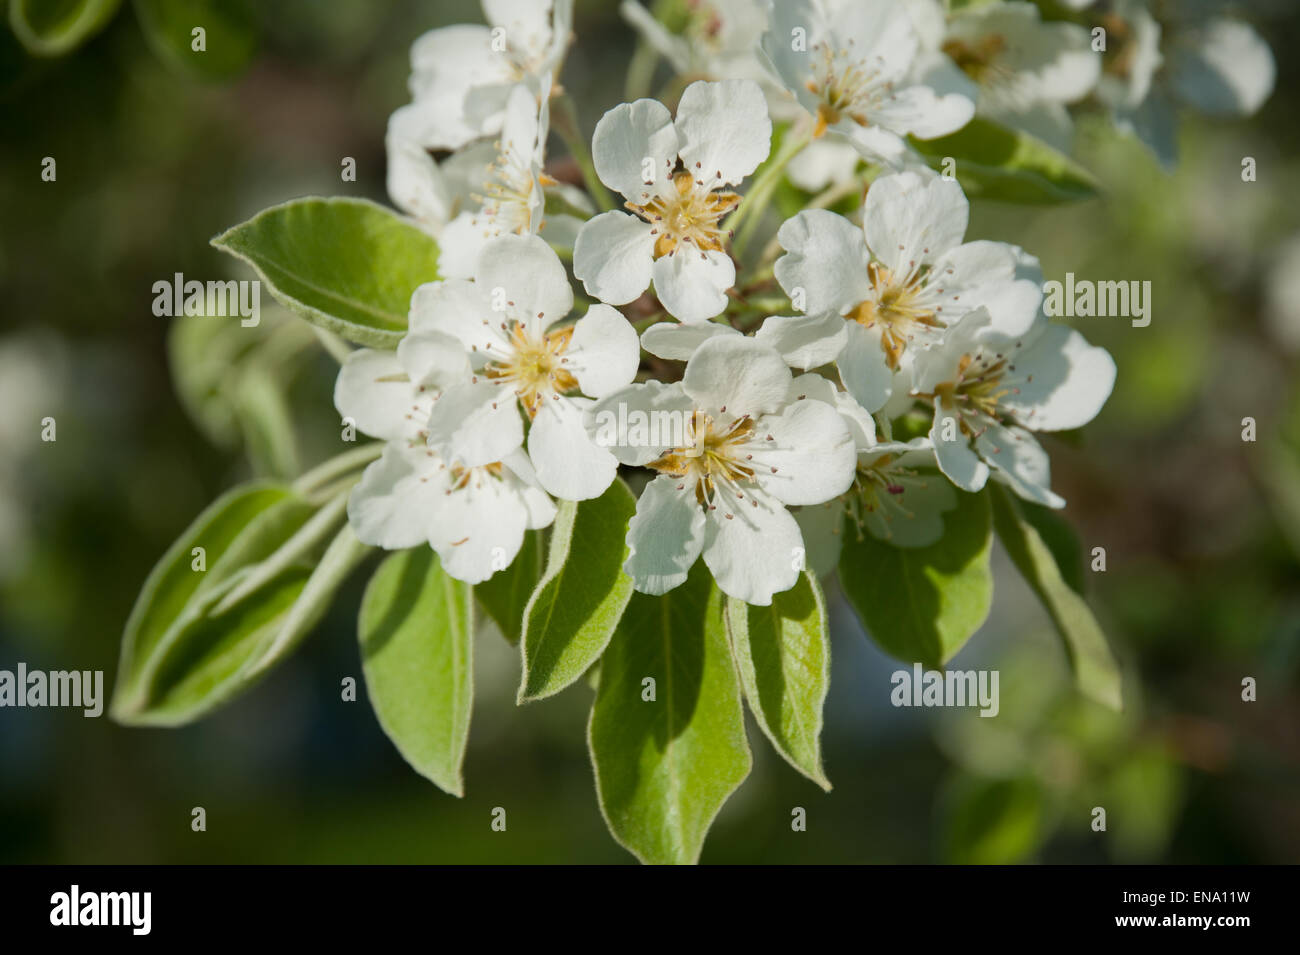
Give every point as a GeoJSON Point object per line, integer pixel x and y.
{"type": "Point", "coordinates": [990, 390]}
{"type": "Point", "coordinates": [1211, 64]}
{"type": "Point", "coordinates": [507, 321]}
{"type": "Point", "coordinates": [852, 65]}
{"type": "Point", "coordinates": [463, 75]}
{"type": "Point", "coordinates": [674, 176]}
{"type": "Point", "coordinates": [749, 450]}
{"type": "Point", "coordinates": [1022, 71]}
{"type": "Point", "coordinates": [873, 296]}
{"type": "Point", "coordinates": [473, 517]}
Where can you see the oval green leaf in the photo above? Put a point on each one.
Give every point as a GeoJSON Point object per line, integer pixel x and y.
{"type": "Point", "coordinates": [664, 766]}
{"type": "Point", "coordinates": [505, 594]}
{"type": "Point", "coordinates": [415, 630]}
{"type": "Point", "coordinates": [995, 162]}
{"type": "Point", "coordinates": [921, 604]}
{"type": "Point", "coordinates": [578, 602]}
{"type": "Point", "coordinates": [348, 266]}
{"type": "Point", "coordinates": [200, 637]}
{"type": "Point", "coordinates": [783, 655]}
{"type": "Point", "coordinates": [1095, 671]}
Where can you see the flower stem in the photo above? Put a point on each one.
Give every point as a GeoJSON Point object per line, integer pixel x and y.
{"type": "Point", "coordinates": [341, 464]}
{"type": "Point", "coordinates": [564, 120]}
{"type": "Point", "coordinates": [752, 207]}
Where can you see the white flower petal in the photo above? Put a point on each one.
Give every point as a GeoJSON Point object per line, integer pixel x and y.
{"type": "Point", "coordinates": [569, 463]}
{"type": "Point", "coordinates": [923, 113]}
{"type": "Point", "coordinates": [755, 553]}
{"type": "Point", "coordinates": [433, 361]}
{"type": "Point", "coordinates": [738, 374]}
{"type": "Point", "coordinates": [1019, 461]}
{"type": "Point", "coordinates": [446, 65]}
{"type": "Point", "coordinates": [823, 162]}
{"type": "Point", "coordinates": [997, 276]}
{"type": "Point", "coordinates": [1223, 69]}
{"type": "Point", "coordinates": [826, 257]}
{"type": "Point", "coordinates": [665, 536]}
{"type": "Point", "coordinates": [479, 528]}
{"type": "Point", "coordinates": [461, 242]}
{"type": "Point", "coordinates": [457, 308]}
{"type": "Point", "coordinates": [804, 455]}
{"type": "Point", "coordinates": [415, 183]}
{"type": "Point", "coordinates": [876, 144]}
{"type": "Point", "coordinates": [864, 369]}
{"type": "Point", "coordinates": [374, 391]}
{"type": "Point", "coordinates": [1060, 381]}
{"type": "Point", "coordinates": [395, 503]}
{"type": "Point", "coordinates": [805, 341]}
{"type": "Point", "coordinates": [692, 285]}
{"type": "Point", "coordinates": [678, 342]}
{"type": "Point", "coordinates": [638, 423]}
{"type": "Point", "coordinates": [625, 138]}
{"type": "Point", "coordinates": [822, 529]}
{"type": "Point", "coordinates": [910, 220]}
{"type": "Point", "coordinates": [861, 425]}
{"type": "Point", "coordinates": [724, 129]}
{"type": "Point", "coordinates": [476, 424]}
{"type": "Point", "coordinates": [955, 457]}
{"type": "Point", "coordinates": [604, 352]}
{"type": "Point", "coordinates": [531, 276]}
{"type": "Point", "coordinates": [613, 257]}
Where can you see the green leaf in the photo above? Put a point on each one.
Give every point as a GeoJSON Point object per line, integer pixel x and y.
{"type": "Point", "coordinates": [348, 266]}
{"type": "Point", "coordinates": [578, 603]}
{"type": "Point", "coordinates": [1095, 671]}
{"type": "Point", "coordinates": [229, 34]}
{"type": "Point", "coordinates": [173, 582]}
{"type": "Point", "coordinates": [267, 424]}
{"type": "Point", "coordinates": [783, 654]}
{"type": "Point", "coordinates": [994, 162]}
{"type": "Point", "coordinates": [415, 629]}
{"type": "Point", "coordinates": [505, 594]}
{"type": "Point", "coordinates": [1060, 539]}
{"type": "Point", "coordinates": [664, 767]}
{"type": "Point", "coordinates": [921, 604]}
{"type": "Point", "coordinates": [193, 643]}
{"type": "Point", "coordinates": [56, 27]}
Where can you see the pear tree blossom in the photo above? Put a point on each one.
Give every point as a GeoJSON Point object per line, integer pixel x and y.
{"type": "Point", "coordinates": [853, 66]}
{"type": "Point", "coordinates": [675, 176]}
{"type": "Point", "coordinates": [874, 296]}
{"type": "Point", "coordinates": [749, 452]}
{"type": "Point", "coordinates": [990, 391]}
{"type": "Point", "coordinates": [1022, 70]}
{"type": "Point", "coordinates": [508, 320]}
{"type": "Point", "coordinates": [463, 75]}
{"type": "Point", "coordinates": [1162, 57]}
{"type": "Point", "coordinates": [474, 517]}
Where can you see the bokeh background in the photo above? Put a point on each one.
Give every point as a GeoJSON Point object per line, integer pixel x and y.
{"type": "Point", "coordinates": [1201, 529]}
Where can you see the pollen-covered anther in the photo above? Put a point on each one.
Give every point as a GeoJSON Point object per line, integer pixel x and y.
{"type": "Point", "coordinates": [535, 366]}
{"type": "Point", "coordinates": [689, 213]}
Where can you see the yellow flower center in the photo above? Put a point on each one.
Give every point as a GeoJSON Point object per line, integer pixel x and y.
{"type": "Point", "coordinates": [715, 456]}
{"type": "Point", "coordinates": [689, 214]}
{"type": "Point", "coordinates": [977, 59]}
{"type": "Point", "coordinates": [977, 388]}
{"type": "Point", "coordinates": [535, 366]}
{"type": "Point", "coordinates": [846, 87]}
{"type": "Point", "coordinates": [897, 310]}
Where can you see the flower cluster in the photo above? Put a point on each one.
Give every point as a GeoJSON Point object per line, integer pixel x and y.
{"type": "Point", "coordinates": [857, 377]}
